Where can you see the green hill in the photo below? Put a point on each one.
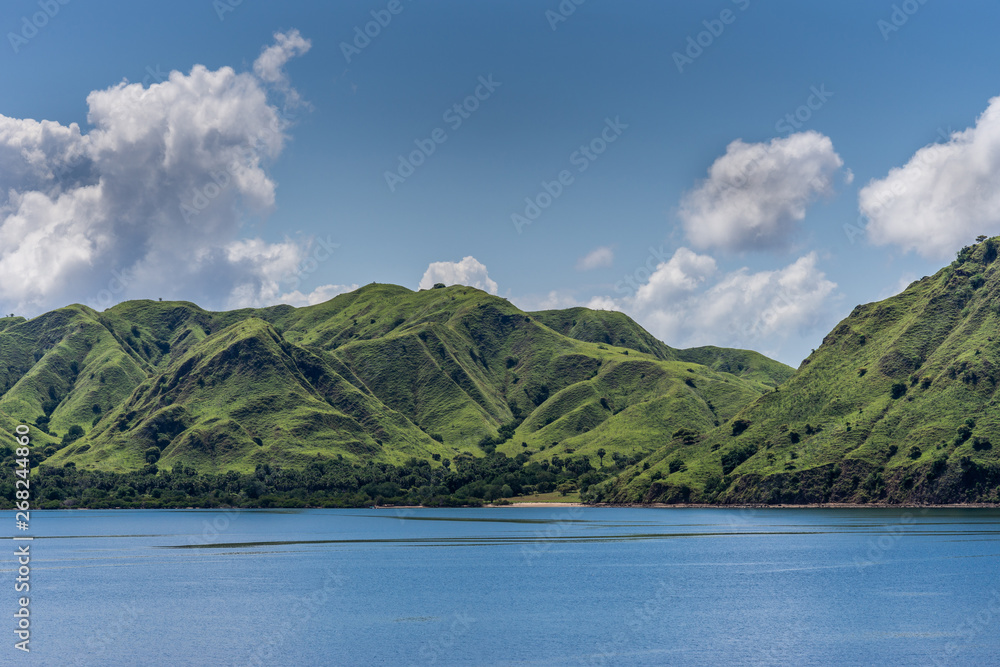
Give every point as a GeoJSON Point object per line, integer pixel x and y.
{"type": "Point", "coordinates": [382, 374]}
{"type": "Point", "coordinates": [742, 363]}
{"type": "Point", "coordinates": [899, 404]}
{"type": "Point", "coordinates": [452, 395]}
{"type": "Point", "coordinates": [604, 326]}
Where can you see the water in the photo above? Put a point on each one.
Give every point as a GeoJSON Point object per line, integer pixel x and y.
{"type": "Point", "coordinates": [511, 586]}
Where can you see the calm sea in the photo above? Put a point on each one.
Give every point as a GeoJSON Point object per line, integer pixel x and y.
{"type": "Point", "coordinates": [509, 586]}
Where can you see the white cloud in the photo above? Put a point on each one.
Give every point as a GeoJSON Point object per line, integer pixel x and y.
{"type": "Point", "coordinates": [153, 199]}
{"type": "Point", "coordinates": [321, 294]}
{"type": "Point", "coordinates": [599, 258]}
{"type": "Point", "coordinates": [944, 197]}
{"type": "Point", "coordinates": [688, 302]}
{"type": "Point", "coordinates": [603, 303]}
{"type": "Point", "coordinates": [756, 194]}
{"type": "Point", "coordinates": [470, 271]}
{"type": "Point", "coordinates": [270, 64]}
{"type": "Point", "coordinates": [561, 299]}
{"type": "Point", "coordinates": [553, 300]}
{"type": "Point", "coordinates": [682, 274]}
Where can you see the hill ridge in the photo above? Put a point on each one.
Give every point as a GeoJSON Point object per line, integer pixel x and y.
{"type": "Point", "coordinates": [382, 373]}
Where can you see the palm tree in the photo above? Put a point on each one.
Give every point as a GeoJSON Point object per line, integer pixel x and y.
{"type": "Point", "coordinates": [601, 453]}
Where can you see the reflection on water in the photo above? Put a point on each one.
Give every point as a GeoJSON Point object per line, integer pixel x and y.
{"type": "Point", "coordinates": [515, 586]}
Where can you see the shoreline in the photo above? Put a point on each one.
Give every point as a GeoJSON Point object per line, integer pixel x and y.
{"type": "Point", "coordinates": [756, 507]}
{"type": "Point", "coordinates": [538, 505]}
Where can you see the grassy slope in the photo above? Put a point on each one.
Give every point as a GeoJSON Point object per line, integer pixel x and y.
{"type": "Point", "coordinates": [245, 396]}
{"type": "Point", "coordinates": [605, 326]}
{"type": "Point", "coordinates": [381, 373]}
{"type": "Point", "coordinates": [742, 363]}
{"type": "Point", "coordinates": [631, 405]}
{"type": "Point", "coordinates": [938, 339]}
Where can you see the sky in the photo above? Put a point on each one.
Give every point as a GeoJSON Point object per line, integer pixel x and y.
{"type": "Point", "coordinates": [728, 172]}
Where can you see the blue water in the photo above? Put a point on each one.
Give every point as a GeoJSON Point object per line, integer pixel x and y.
{"type": "Point", "coordinates": [510, 586]}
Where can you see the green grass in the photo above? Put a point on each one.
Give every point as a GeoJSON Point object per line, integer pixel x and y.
{"type": "Point", "coordinates": [380, 374]}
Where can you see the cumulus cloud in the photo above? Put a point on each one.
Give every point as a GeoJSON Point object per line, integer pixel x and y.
{"type": "Point", "coordinates": [599, 258]}
{"type": "Point", "coordinates": [319, 295]}
{"type": "Point", "coordinates": [756, 194]}
{"type": "Point", "coordinates": [687, 301]}
{"type": "Point", "coordinates": [944, 196]}
{"type": "Point", "coordinates": [552, 300]}
{"type": "Point", "coordinates": [561, 299]}
{"type": "Point", "coordinates": [470, 271]}
{"type": "Point", "coordinates": [681, 275]}
{"type": "Point", "coordinates": [603, 303]}
{"type": "Point", "coordinates": [153, 199]}
{"type": "Point", "coordinates": [270, 64]}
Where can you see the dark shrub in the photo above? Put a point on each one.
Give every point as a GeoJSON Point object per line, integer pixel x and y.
{"type": "Point", "coordinates": [734, 457]}
{"type": "Point", "coordinates": [981, 444]}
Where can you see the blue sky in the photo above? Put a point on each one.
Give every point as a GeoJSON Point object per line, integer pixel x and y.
{"type": "Point", "coordinates": [754, 256]}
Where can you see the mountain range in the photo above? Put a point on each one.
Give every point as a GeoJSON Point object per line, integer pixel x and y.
{"type": "Point", "coordinates": [896, 405]}
{"type": "Point", "coordinates": [382, 373]}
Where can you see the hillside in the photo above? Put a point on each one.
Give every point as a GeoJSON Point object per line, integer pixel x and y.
{"type": "Point", "coordinates": [382, 374]}
{"type": "Point", "coordinates": [898, 404]}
